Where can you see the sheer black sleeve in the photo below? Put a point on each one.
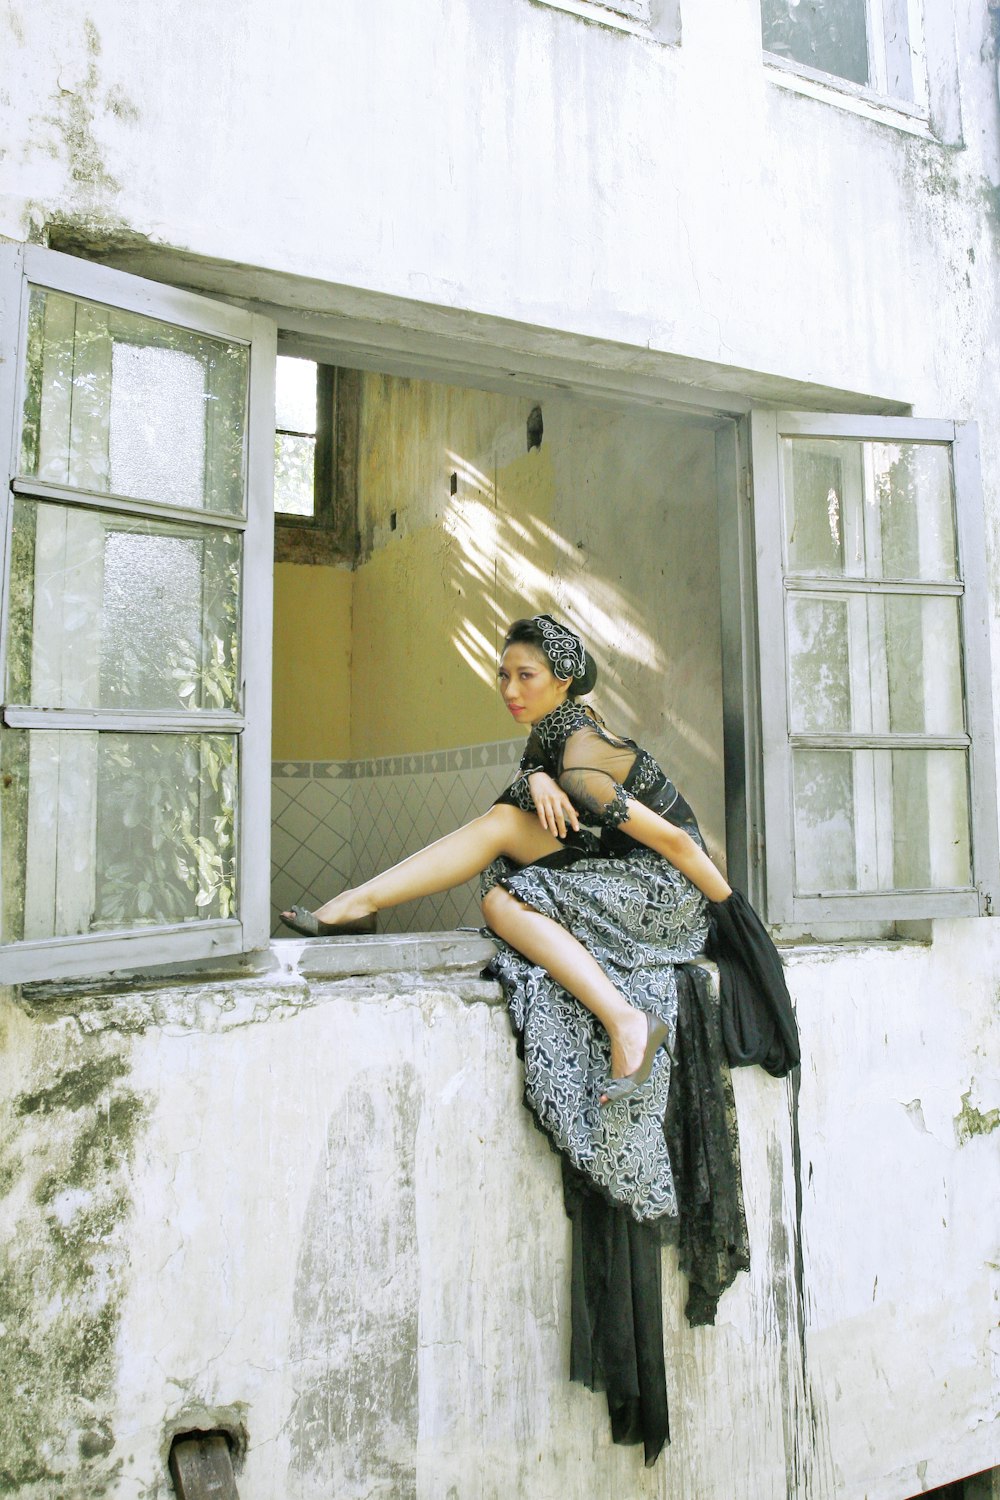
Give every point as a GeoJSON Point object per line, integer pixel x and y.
{"type": "Point", "coordinates": [594, 766]}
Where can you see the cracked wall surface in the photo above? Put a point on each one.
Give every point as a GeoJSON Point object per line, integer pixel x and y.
{"type": "Point", "coordinates": [311, 1210]}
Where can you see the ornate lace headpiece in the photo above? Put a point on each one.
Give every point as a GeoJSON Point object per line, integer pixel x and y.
{"type": "Point", "coordinates": [562, 646]}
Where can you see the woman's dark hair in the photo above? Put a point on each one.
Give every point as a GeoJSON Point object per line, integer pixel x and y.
{"type": "Point", "coordinates": [529, 633]}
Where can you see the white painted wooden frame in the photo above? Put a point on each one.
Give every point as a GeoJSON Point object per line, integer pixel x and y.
{"type": "Point", "coordinates": [66, 957]}
{"type": "Point", "coordinates": [654, 20]}
{"type": "Point", "coordinates": [897, 61]}
{"type": "Point", "coordinates": [775, 885]}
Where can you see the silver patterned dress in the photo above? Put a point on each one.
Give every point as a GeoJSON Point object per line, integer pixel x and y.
{"type": "Point", "coordinates": [638, 916]}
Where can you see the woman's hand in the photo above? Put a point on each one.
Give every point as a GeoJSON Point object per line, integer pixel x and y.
{"type": "Point", "coordinates": [555, 811]}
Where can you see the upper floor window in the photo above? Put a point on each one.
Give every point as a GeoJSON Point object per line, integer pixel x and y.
{"type": "Point", "coordinates": [871, 44]}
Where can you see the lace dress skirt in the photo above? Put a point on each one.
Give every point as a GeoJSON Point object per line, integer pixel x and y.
{"type": "Point", "coordinates": [638, 916]}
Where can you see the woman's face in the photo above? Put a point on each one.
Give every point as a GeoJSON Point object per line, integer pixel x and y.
{"type": "Point", "coordinates": [529, 687]}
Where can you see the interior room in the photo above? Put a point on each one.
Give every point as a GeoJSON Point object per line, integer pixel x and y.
{"type": "Point", "coordinates": [429, 516]}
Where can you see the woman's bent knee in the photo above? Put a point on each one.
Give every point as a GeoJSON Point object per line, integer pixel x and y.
{"type": "Point", "coordinates": [497, 903]}
{"type": "Point", "coordinates": [493, 902]}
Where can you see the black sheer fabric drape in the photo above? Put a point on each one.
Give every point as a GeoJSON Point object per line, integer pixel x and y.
{"type": "Point", "coordinates": [758, 1022]}
{"type": "Point", "coordinates": [617, 1322]}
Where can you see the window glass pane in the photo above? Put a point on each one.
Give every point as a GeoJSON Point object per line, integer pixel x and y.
{"type": "Point", "coordinates": [831, 35]}
{"type": "Point", "coordinates": [817, 478]}
{"type": "Point", "coordinates": [295, 394]}
{"type": "Point", "coordinates": [930, 818]}
{"type": "Point", "coordinates": [823, 807]}
{"type": "Point", "coordinates": [294, 475]}
{"type": "Point", "coordinates": [875, 664]}
{"type": "Point", "coordinates": [869, 510]}
{"type": "Point", "coordinates": [916, 512]}
{"type": "Point", "coordinates": [127, 405]}
{"type": "Point", "coordinates": [819, 668]}
{"type": "Point", "coordinates": [878, 820]}
{"type": "Point", "coordinates": [923, 664]}
{"type": "Point", "coordinates": [106, 831]}
{"type": "Point", "coordinates": [119, 612]}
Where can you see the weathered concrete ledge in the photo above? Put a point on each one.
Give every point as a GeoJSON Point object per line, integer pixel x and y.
{"type": "Point", "coordinates": [291, 976]}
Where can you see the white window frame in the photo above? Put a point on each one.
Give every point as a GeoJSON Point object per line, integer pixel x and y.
{"type": "Point", "coordinates": [67, 957]}
{"type": "Point", "coordinates": [896, 49]}
{"type": "Point", "coordinates": [765, 843]}
{"type": "Point", "coordinates": [655, 20]}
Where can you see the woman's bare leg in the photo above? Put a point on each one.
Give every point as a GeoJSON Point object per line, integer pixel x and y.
{"type": "Point", "coordinates": [446, 863]}
{"type": "Point", "coordinates": [461, 855]}
{"type": "Point", "coordinates": [559, 953]}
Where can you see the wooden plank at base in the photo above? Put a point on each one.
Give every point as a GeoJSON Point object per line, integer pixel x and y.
{"type": "Point", "coordinates": [201, 1467]}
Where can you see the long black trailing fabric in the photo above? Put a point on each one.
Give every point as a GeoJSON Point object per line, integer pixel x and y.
{"type": "Point", "coordinates": [617, 1320]}
{"type": "Point", "coordinates": [617, 1324]}
{"type": "Point", "coordinates": [758, 1022]}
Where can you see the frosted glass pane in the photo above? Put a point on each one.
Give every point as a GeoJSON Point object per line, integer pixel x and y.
{"type": "Point", "coordinates": [823, 809]}
{"type": "Point", "coordinates": [295, 394]}
{"type": "Point", "coordinates": [108, 831]}
{"type": "Point", "coordinates": [294, 469]}
{"type": "Point", "coordinates": [157, 424]}
{"type": "Point", "coordinates": [122, 404]}
{"type": "Point", "coordinates": [831, 35]}
{"type": "Point", "coordinates": [117, 612]}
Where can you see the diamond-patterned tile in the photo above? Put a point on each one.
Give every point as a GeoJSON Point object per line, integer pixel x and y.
{"type": "Point", "coordinates": [337, 823]}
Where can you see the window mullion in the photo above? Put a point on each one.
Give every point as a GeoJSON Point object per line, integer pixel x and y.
{"type": "Point", "coordinates": [199, 721]}
{"type": "Point", "coordinates": [93, 500]}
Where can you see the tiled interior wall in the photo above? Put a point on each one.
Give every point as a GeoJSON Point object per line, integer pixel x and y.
{"type": "Point", "coordinates": [335, 823]}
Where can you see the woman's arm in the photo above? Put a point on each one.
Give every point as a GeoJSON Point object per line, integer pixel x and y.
{"type": "Point", "coordinates": [647, 827]}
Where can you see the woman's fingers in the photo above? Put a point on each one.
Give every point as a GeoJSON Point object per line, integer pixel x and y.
{"type": "Point", "coordinates": [557, 816]}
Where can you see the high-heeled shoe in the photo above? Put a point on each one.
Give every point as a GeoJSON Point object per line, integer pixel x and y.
{"type": "Point", "coordinates": [657, 1032]}
{"type": "Point", "coordinates": [301, 919]}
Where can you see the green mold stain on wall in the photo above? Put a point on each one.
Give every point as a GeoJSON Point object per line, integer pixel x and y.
{"type": "Point", "coordinates": [971, 1121]}
{"type": "Point", "coordinates": [66, 1148]}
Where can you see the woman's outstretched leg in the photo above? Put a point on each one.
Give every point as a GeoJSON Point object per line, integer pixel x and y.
{"type": "Point", "coordinates": [544, 942]}
{"type": "Point", "coordinates": [446, 863]}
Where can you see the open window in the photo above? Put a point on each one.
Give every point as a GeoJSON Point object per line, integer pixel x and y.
{"type": "Point", "coordinates": [878, 770]}
{"type": "Point", "coordinates": [136, 566]}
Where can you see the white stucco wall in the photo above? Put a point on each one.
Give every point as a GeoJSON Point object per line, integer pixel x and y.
{"type": "Point", "coordinates": [333, 1225]}
{"type": "Point", "coordinates": [513, 161]}
{"type": "Point", "coordinates": [451, 175]}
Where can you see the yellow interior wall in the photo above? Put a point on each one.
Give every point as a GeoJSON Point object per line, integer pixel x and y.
{"type": "Point", "coordinates": [312, 663]}
{"type": "Point", "coordinates": [433, 597]}
{"type": "Point", "coordinates": [611, 526]}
